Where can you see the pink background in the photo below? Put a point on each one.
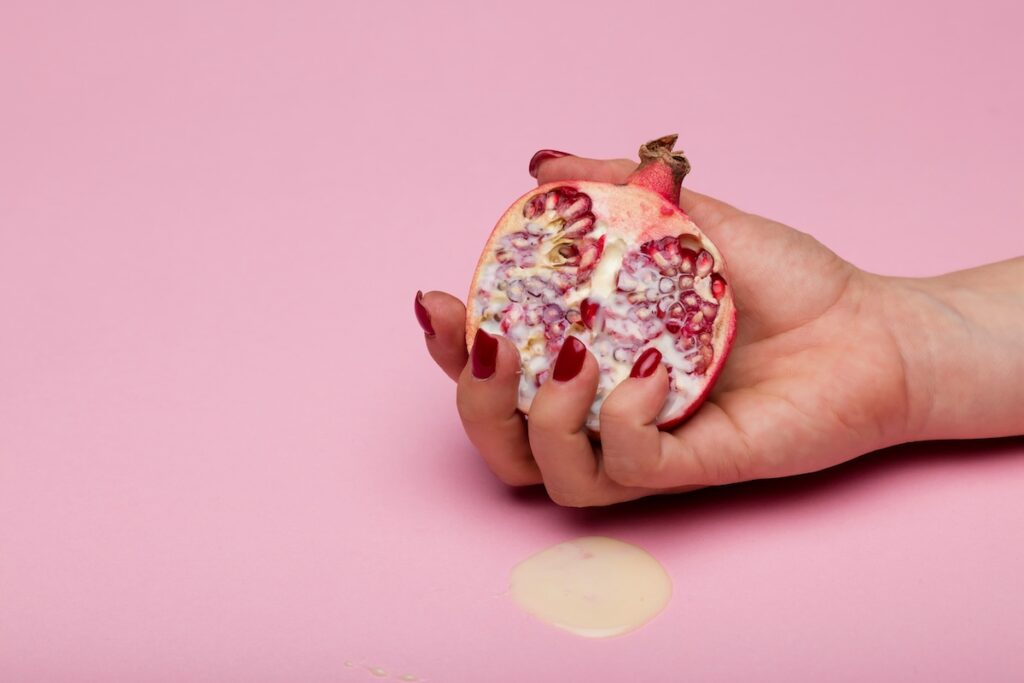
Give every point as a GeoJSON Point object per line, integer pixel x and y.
{"type": "Point", "coordinates": [224, 453]}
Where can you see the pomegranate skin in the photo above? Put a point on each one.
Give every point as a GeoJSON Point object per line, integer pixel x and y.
{"type": "Point", "coordinates": [620, 267]}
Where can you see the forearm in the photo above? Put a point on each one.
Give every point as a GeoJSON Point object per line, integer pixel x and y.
{"type": "Point", "coordinates": [961, 337]}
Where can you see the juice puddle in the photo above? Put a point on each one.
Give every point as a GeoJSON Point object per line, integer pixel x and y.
{"type": "Point", "coordinates": [595, 587]}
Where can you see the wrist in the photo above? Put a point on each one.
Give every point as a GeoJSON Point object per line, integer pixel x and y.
{"type": "Point", "coordinates": [958, 338]}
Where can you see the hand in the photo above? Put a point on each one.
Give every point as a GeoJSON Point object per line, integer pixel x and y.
{"type": "Point", "coordinates": [816, 376]}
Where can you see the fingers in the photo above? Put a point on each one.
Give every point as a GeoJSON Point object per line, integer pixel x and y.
{"type": "Point", "coordinates": [708, 213]}
{"type": "Point", "coordinates": [558, 437]}
{"type": "Point", "coordinates": [630, 439]}
{"type": "Point", "coordinates": [443, 319]}
{"type": "Point", "coordinates": [557, 425]}
{"type": "Point", "coordinates": [487, 397]}
{"type": "Point", "coordinates": [580, 168]}
{"type": "Point", "coordinates": [707, 450]}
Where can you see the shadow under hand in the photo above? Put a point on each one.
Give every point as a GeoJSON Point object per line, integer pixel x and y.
{"type": "Point", "coordinates": [756, 497]}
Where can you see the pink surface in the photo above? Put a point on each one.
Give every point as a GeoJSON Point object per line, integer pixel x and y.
{"type": "Point", "coordinates": [224, 454]}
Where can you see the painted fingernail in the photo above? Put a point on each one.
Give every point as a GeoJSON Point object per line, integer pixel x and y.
{"type": "Point", "coordinates": [570, 360]}
{"type": "Point", "coordinates": [542, 156]}
{"type": "Point", "coordinates": [646, 364]}
{"type": "Point", "coordinates": [423, 315]}
{"type": "Point", "coordinates": [484, 356]}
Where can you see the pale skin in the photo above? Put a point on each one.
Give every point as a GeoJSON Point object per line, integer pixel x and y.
{"type": "Point", "coordinates": [829, 362]}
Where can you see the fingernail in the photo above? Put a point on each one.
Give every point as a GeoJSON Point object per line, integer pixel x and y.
{"type": "Point", "coordinates": [423, 315]}
{"type": "Point", "coordinates": [542, 156]}
{"type": "Point", "coordinates": [646, 364]}
{"type": "Point", "coordinates": [484, 355]}
{"type": "Point", "coordinates": [570, 360]}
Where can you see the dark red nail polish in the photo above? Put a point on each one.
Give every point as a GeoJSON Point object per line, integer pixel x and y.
{"type": "Point", "coordinates": [423, 315]}
{"type": "Point", "coordinates": [542, 156]}
{"type": "Point", "coordinates": [484, 355]}
{"type": "Point", "coordinates": [646, 364]}
{"type": "Point", "coordinates": [570, 360]}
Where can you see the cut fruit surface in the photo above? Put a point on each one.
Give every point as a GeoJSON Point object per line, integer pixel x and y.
{"type": "Point", "coordinates": [621, 268]}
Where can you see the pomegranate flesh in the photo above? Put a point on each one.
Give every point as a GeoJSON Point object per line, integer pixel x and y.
{"type": "Point", "coordinates": [620, 267]}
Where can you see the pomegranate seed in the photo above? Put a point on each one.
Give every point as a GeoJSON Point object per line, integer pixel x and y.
{"type": "Point", "coordinates": [652, 294]}
{"type": "Point", "coordinates": [690, 299]}
{"type": "Point", "coordinates": [673, 326]}
{"type": "Point", "coordinates": [705, 262]}
{"type": "Point", "coordinates": [625, 283]}
{"type": "Point", "coordinates": [651, 328]}
{"type": "Point", "coordinates": [676, 310]}
{"type": "Point", "coordinates": [552, 200]}
{"type": "Point", "coordinates": [534, 207]}
{"type": "Point", "coordinates": [695, 323]}
{"type": "Point", "coordinates": [665, 285]}
{"type": "Point", "coordinates": [568, 250]}
{"type": "Point", "coordinates": [580, 206]}
{"type": "Point", "coordinates": [573, 316]}
{"type": "Point", "coordinates": [709, 310]}
{"type": "Point", "coordinates": [636, 297]}
{"type": "Point", "coordinates": [552, 313]}
{"type": "Point", "coordinates": [635, 261]}
{"type": "Point", "coordinates": [556, 330]}
{"type": "Point", "coordinates": [717, 286]}
{"type": "Point", "coordinates": [688, 260]}
{"type": "Point", "coordinates": [503, 256]}
{"type": "Point", "coordinates": [535, 229]}
{"type": "Point", "coordinates": [685, 282]}
{"type": "Point", "coordinates": [580, 227]}
{"type": "Point", "coordinates": [561, 281]}
{"type": "Point", "coordinates": [515, 291]}
{"type": "Point", "coordinates": [705, 338]}
{"type": "Point", "coordinates": [532, 316]}
{"type": "Point", "coordinates": [535, 285]}
{"type": "Point", "coordinates": [622, 355]}
{"type": "Point", "coordinates": [663, 306]}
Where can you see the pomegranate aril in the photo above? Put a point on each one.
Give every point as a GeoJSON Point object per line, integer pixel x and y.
{"type": "Point", "coordinates": [676, 310]}
{"type": "Point", "coordinates": [552, 313]}
{"type": "Point", "coordinates": [688, 260]}
{"type": "Point", "coordinates": [579, 206]}
{"type": "Point", "coordinates": [551, 201]}
{"type": "Point", "coordinates": [635, 261]}
{"type": "Point", "coordinates": [665, 285]}
{"type": "Point", "coordinates": [535, 229]}
{"type": "Point", "coordinates": [556, 330]}
{"type": "Point", "coordinates": [568, 250]}
{"type": "Point", "coordinates": [685, 282]}
{"type": "Point", "coordinates": [717, 286]}
{"type": "Point", "coordinates": [652, 294]}
{"type": "Point", "coordinates": [580, 226]}
{"type": "Point", "coordinates": [690, 299]}
{"type": "Point", "coordinates": [709, 310]}
{"type": "Point", "coordinates": [532, 316]}
{"type": "Point", "coordinates": [663, 306]}
{"type": "Point", "coordinates": [695, 323]}
{"type": "Point", "coordinates": [561, 281]}
{"type": "Point", "coordinates": [503, 256]}
{"type": "Point", "coordinates": [535, 285]}
{"type": "Point", "coordinates": [535, 206]}
{"type": "Point", "coordinates": [673, 326]}
{"type": "Point", "coordinates": [622, 355]}
{"type": "Point", "coordinates": [515, 291]}
{"type": "Point", "coordinates": [625, 282]}
{"type": "Point", "coordinates": [573, 316]}
{"type": "Point", "coordinates": [704, 338]}
{"type": "Point", "coordinates": [705, 262]}
{"type": "Point", "coordinates": [636, 297]}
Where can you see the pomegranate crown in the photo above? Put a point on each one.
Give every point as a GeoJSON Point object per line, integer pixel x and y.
{"type": "Point", "coordinates": [661, 169]}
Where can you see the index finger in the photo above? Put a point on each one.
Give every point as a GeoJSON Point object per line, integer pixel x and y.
{"type": "Point", "coordinates": [707, 212]}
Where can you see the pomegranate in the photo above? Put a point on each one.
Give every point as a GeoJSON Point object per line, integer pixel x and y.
{"type": "Point", "coordinates": [620, 267]}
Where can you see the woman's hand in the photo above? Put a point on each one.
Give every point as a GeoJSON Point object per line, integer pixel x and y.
{"type": "Point", "coordinates": [819, 373]}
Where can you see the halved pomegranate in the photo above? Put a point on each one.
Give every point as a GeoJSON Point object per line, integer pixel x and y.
{"type": "Point", "coordinates": [621, 268]}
